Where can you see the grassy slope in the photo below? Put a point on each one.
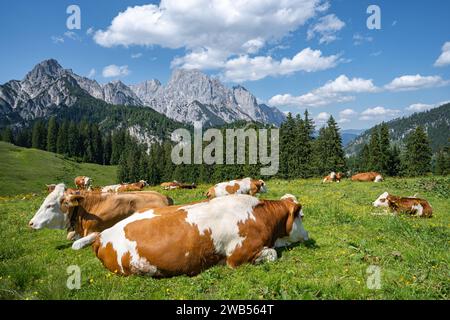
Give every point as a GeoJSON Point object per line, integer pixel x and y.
{"type": "Point", "coordinates": [28, 170]}
{"type": "Point", "coordinates": [413, 253]}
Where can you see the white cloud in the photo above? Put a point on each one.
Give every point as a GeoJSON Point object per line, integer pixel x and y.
{"type": "Point", "coordinates": [92, 73]}
{"type": "Point", "coordinates": [113, 71]}
{"type": "Point", "coordinates": [376, 53]}
{"type": "Point", "coordinates": [378, 113]}
{"type": "Point", "coordinates": [326, 27]}
{"type": "Point", "coordinates": [335, 91]}
{"type": "Point", "coordinates": [136, 55]}
{"type": "Point", "coordinates": [72, 35]}
{"type": "Point", "coordinates": [322, 118]}
{"type": "Point", "coordinates": [420, 107]}
{"type": "Point", "coordinates": [347, 113]}
{"type": "Point", "coordinates": [415, 82]}
{"type": "Point", "coordinates": [57, 39]}
{"type": "Point", "coordinates": [359, 39]}
{"type": "Point", "coordinates": [211, 31]}
{"type": "Point", "coordinates": [246, 68]}
{"type": "Point", "coordinates": [444, 58]}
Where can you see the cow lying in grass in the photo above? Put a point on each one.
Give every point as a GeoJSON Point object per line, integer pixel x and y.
{"type": "Point", "coordinates": [190, 238]}
{"type": "Point", "coordinates": [86, 213]}
{"type": "Point", "coordinates": [408, 205]}
{"type": "Point", "coordinates": [177, 185]}
{"type": "Point", "coordinates": [243, 186]}
{"type": "Point", "coordinates": [136, 186]}
{"type": "Point", "coordinates": [333, 177]}
{"type": "Point", "coordinates": [368, 177]}
{"type": "Point", "coordinates": [83, 182]}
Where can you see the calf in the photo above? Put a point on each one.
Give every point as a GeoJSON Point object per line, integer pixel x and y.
{"type": "Point", "coordinates": [83, 182]}
{"type": "Point", "coordinates": [409, 205]}
{"type": "Point", "coordinates": [243, 186]}
{"type": "Point", "coordinates": [368, 176]}
{"type": "Point", "coordinates": [188, 239]}
{"type": "Point", "coordinates": [86, 214]}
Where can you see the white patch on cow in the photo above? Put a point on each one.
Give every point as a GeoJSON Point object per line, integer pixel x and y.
{"type": "Point", "coordinates": [381, 201]}
{"type": "Point", "coordinates": [50, 214]}
{"type": "Point", "coordinates": [333, 175]}
{"type": "Point", "coordinates": [186, 254]}
{"type": "Point", "coordinates": [112, 188]}
{"type": "Point", "coordinates": [378, 178]}
{"type": "Point", "coordinates": [244, 187]}
{"type": "Point", "coordinates": [121, 244]}
{"type": "Point", "coordinates": [419, 209]}
{"type": "Point", "coordinates": [266, 255]}
{"type": "Point", "coordinates": [289, 196]}
{"type": "Point", "coordinates": [221, 217]}
{"type": "Point", "coordinates": [85, 241]}
{"type": "Point", "coordinates": [87, 181]}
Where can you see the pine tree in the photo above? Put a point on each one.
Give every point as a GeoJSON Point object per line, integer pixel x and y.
{"type": "Point", "coordinates": [39, 136]}
{"type": "Point", "coordinates": [7, 135]}
{"type": "Point", "coordinates": [107, 149]}
{"type": "Point", "coordinates": [418, 153]}
{"type": "Point", "coordinates": [374, 151]}
{"type": "Point", "coordinates": [24, 138]}
{"type": "Point", "coordinates": [52, 135]}
{"type": "Point", "coordinates": [394, 166]}
{"type": "Point", "coordinates": [364, 159]}
{"type": "Point", "coordinates": [73, 141]}
{"type": "Point", "coordinates": [336, 148]}
{"type": "Point", "coordinates": [442, 162]}
{"type": "Point", "coordinates": [384, 147]}
{"type": "Point", "coordinates": [62, 140]}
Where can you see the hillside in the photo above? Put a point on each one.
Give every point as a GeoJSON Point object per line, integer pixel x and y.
{"type": "Point", "coordinates": [28, 170]}
{"type": "Point", "coordinates": [435, 121]}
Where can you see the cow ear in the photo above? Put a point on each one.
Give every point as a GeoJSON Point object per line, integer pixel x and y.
{"type": "Point", "coordinates": [294, 212]}
{"type": "Point", "coordinates": [73, 200]}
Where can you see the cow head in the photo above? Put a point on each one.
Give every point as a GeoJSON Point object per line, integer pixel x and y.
{"type": "Point", "coordinates": [261, 185]}
{"type": "Point", "coordinates": [54, 211]}
{"type": "Point", "coordinates": [50, 214]}
{"type": "Point", "coordinates": [382, 201]}
{"type": "Point", "coordinates": [378, 178]}
{"type": "Point", "coordinates": [339, 176]}
{"type": "Point", "coordinates": [144, 183]}
{"type": "Point", "coordinates": [294, 225]}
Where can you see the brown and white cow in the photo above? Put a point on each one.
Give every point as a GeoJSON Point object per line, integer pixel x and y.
{"type": "Point", "coordinates": [368, 176]}
{"type": "Point", "coordinates": [333, 177]}
{"type": "Point", "coordinates": [409, 205]}
{"type": "Point", "coordinates": [242, 186]}
{"type": "Point", "coordinates": [83, 182]}
{"type": "Point", "coordinates": [86, 213]}
{"type": "Point", "coordinates": [136, 186]}
{"type": "Point", "coordinates": [177, 185]}
{"type": "Point", "coordinates": [188, 239]}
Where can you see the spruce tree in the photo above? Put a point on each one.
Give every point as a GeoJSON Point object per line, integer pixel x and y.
{"type": "Point", "coordinates": [442, 162]}
{"type": "Point", "coordinates": [7, 135]}
{"type": "Point", "coordinates": [73, 141]}
{"type": "Point", "coordinates": [418, 153]}
{"type": "Point", "coordinates": [385, 150]}
{"type": "Point", "coordinates": [39, 136]}
{"type": "Point", "coordinates": [52, 135]}
{"type": "Point", "coordinates": [394, 166]}
{"type": "Point", "coordinates": [374, 151]}
{"type": "Point", "coordinates": [62, 140]}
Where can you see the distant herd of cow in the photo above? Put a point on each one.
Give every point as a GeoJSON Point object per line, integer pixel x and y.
{"type": "Point", "coordinates": [144, 233]}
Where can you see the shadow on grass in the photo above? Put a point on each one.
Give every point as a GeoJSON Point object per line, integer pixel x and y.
{"type": "Point", "coordinates": [310, 244]}
{"type": "Point", "coordinates": [64, 246]}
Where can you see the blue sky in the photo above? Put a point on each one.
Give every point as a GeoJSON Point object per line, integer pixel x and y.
{"type": "Point", "coordinates": [293, 54]}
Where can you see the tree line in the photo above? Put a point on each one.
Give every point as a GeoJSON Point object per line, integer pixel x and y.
{"type": "Point", "coordinates": [304, 152]}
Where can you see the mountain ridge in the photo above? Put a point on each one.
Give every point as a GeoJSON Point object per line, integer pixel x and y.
{"type": "Point", "coordinates": [189, 96]}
